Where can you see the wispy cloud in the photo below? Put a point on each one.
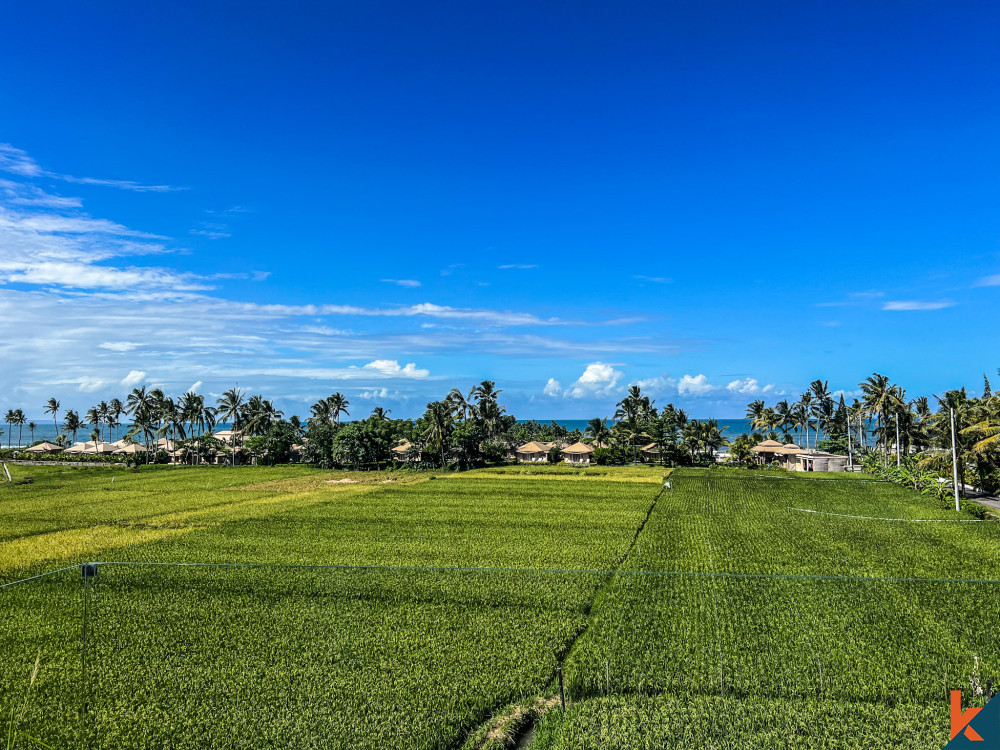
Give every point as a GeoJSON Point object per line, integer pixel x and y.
{"type": "Point", "coordinates": [989, 280]}
{"type": "Point", "coordinates": [913, 304]}
{"type": "Point", "coordinates": [518, 266]}
{"type": "Point", "coordinates": [655, 279]}
{"type": "Point", "coordinates": [408, 283]}
{"type": "Point", "coordinates": [212, 234]}
{"type": "Point", "coordinates": [855, 299]}
{"type": "Point", "coordinates": [17, 161]}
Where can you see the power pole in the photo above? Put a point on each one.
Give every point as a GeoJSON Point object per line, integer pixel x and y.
{"type": "Point", "coordinates": [954, 460]}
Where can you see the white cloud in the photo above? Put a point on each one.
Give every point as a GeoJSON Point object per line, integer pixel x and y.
{"type": "Point", "coordinates": [194, 387]}
{"type": "Point", "coordinates": [390, 368]}
{"type": "Point", "coordinates": [212, 234]}
{"type": "Point", "coordinates": [900, 305]}
{"type": "Point", "coordinates": [697, 385]}
{"type": "Point", "coordinates": [552, 387]}
{"type": "Point", "coordinates": [119, 346]}
{"type": "Point", "coordinates": [749, 387]}
{"type": "Point", "coordinates": [133, 378]}
{"type": "Point", "coordinates": [598, 379]}
{"type": "Point", "coordinates": [17, 161]}
{"type": "Point", "coordinates": [989, 280]}
{"type": "Point", "coordinates": [655, 279]}
{"type": "Point", "coordinates": [408, 283]}
{"type": "Point", "coordinates": [657, 384]}
{"type": "Point", "coordinates": [518, 266]}
{"type": "Point", "coordinates": [89, 385]}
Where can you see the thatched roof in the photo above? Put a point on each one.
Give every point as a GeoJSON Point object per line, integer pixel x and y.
{"type": "Point", "coordinates": [791, 449]}
{"type": "Point", "coordinates": [99, 448]}
{"type": "Point", "coordinates": [45, 447]}
{"type": "Point", "coordinates": [126, 450]}
{"type": "Point", "coordinates": [578, 449]}
{"type": "Point", "coordinates": [403, 447]}
{"type": "Point", "coordinates": [534, 447]}
{"type": "Point", "coordinates": [651, 448]}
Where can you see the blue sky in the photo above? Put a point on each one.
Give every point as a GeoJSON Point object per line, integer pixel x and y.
{"type": "Point", "coordinates": [717, 201]}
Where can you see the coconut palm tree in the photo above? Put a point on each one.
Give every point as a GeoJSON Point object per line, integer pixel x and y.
{"type": "Point", "coordinates": [379, 414]}
{"type": "Point", "coordinates": [755, 409]}
{"type": "Point", "coordinates": [710, 436]}
{"type": "Point", "coordinates": [486, 391]}
{"type": "Point", "coordinates": [72, 423]}
{"type": "Point", "coordinates": [597, 431]}
{"type": "Point", "coordinates": [9, 419]}
{"type": "Point", "coordinates": [19, 420]}
{"type": "Point", "coordinates": [440, 419]}
{"type": "Point", "coordinates": [876, 400]}
{"type": "Point", "coordinates": [805, 413]}
{"type": "Point", "coordinates": [31, 428]}
{"type": "Point", "coordinates": [52, 407]}
{"type": "Point", "coordinates": [93, 417]}
{"type": "Point", "coordinates": [460, 404]}
{"type": "Point", "coordinates": [785, 414]}
{"type": "Point", "coordinates": [338, 404]}
{"type": "Point", "coordinates": [116, 409]}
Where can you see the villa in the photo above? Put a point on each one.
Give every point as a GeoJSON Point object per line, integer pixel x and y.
{"type": "Point", "coordinates": [534, 452]}
{"type": "Point", "coordinates": [578, 453]}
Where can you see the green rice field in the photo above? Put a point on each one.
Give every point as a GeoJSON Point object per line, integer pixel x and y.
{"type": "Point", "coordinates": [287, 607]}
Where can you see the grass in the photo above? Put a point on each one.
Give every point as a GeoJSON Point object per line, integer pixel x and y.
{"type": "Point", "coordinates": [774, 627]}
{"type": "Point", "coordinates": [404, 657]}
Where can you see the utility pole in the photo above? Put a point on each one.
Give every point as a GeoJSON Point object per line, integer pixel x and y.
{"type": "Point", "coordinates": [954, 460]}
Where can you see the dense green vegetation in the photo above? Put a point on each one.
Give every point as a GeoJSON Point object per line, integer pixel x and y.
{"type": "Point", "coordinates": [213, 656]}
{"type": "Point", "coordinates": [737, 618]}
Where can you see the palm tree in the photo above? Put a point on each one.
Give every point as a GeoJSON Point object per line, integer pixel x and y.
{"type": "Point", "coordinates": [338, 405]}
{"type": "Point", "coordinates": [486, 391]}
{"type": "Point", "coordinates": [755, 410]}
{"type": "Point", "coordinates": [800, 420]}
{"type": "Point", "coordinates": [460, 404]}
{"type": "Point", "coordinates": [379, 414]}
{"type": "Point", "coordinates": [876, 400]}
{"type": "Point", "coordinates": [52, 407]}
{"type": "Point", "coordinates": [597, 431]}
{"type": "Point", "coordinates": [72, 423]}
{"type": "Point", "coordinates": [805, 412]}
{"type": "Point", "coordinates": [31, 428]}
{"type": "Point", "coordinates": [9, 418]}
{"type": "Point", "coordinates": [822, 411]}
{"type": "Point", "coordinates": [116, 410]}
{"type": "Point", "coordinates": [785, 414]}
{"type": "Point", "coordinates": [93, 417]}
{"type": "Point", "coordinates": [440, 419]}
{"type": "Point", "coordinates": [19, 420]}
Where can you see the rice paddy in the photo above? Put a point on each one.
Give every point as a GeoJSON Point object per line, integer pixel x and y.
{"type": "Point", "coordinates": [408, 610]}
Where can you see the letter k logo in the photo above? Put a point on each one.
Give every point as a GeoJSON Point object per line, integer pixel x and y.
{"type": "Point", "coordinates": [960, 720]}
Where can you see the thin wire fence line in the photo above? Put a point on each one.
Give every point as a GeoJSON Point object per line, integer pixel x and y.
{"type": "Point", "coordinates": [903, 520]}
{"type": "Point", "coordinates": [40, 575]}
{"type": "Point", "coordinates": [554, 571]}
